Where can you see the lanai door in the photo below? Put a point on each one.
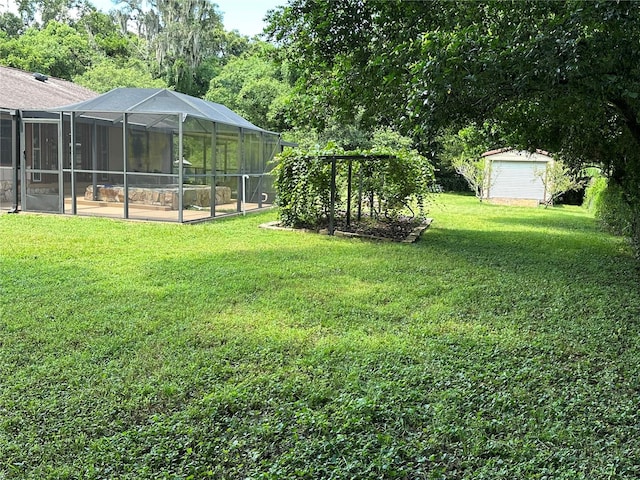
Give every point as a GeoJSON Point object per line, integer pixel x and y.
{"type": "Point", "coordinates": [41, 174]}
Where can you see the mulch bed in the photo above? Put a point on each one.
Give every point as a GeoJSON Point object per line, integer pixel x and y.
{"type": "Point", "coordinates": [404, 230]}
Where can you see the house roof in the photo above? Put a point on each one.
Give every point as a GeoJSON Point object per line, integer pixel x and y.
{"type": "Point", "coordinates": [20, 90]}
{"type": "Point", "coordinates": [154, 101]}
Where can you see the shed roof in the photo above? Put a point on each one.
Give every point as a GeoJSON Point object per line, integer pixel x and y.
{"type": "Point", "coordinates": [512, 154]}
{"type": "Point", "coordinates": [148, 101]}
{"type": "Point", "coordinates": [20, 90]}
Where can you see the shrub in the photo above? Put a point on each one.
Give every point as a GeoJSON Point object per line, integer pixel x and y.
{"type": "Point", "coordinates": [606, 200]}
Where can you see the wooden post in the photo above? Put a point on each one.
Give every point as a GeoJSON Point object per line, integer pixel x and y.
{"type": "Point", "coordinates": [371, 200]}
{"type": "Point", "coordinates": [349, 193]}
{"type": "Point", "coordinates": [360, 191]}
{"type": "Point", "coordinates": [332, 200]}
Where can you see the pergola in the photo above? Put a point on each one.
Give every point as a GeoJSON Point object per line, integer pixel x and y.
{"type": "Point", "coordinates": [349, 158]}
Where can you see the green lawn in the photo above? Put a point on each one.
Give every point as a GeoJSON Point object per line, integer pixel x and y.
{"type": "Point", "coordinates": [504, 344]}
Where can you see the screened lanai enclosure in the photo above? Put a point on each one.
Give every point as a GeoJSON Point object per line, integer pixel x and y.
{"type": "Point", "coordinates": [145, 154]}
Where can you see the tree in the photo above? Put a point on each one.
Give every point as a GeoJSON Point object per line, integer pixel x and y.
{"type": "Point", "coordinates": [254, 86]}
{"type": "Point", "coordinates": [557, 179]}
{"type": "Point", "coordinates": [233, 45]}
{"type": "Point", "coordinates": [181, 35]}
{"type": "Point", "coordinates": [108, 74]}
{"type": "Point", "coordinates": [11, 25]}
{"type": "Point", "coordinates": [561, 76]}
{"type": "Point", "coordinates": [354, 55]}
{"type": "Point", "coordinates": [104, 35]}
{"type": "Point", "coordinates": [474, 171]}
{"type": "Point", "coordinates": [57, 50]}
{"type": "Point", "coordinates": [463, 151]}
{"type": "Point", "coordinates": [63, 11]}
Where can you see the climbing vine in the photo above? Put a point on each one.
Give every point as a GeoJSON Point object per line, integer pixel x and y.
{"type": "Point", "coordinates": [386, 183]}
{"type": "Point", "coordinates": [302, 184]}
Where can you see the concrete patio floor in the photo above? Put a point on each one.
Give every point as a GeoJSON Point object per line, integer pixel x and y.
{"type": "Point", "coordinates": [150, 212]}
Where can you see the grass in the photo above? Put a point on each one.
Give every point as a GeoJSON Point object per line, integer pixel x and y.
{"type": "Point", "coordinates": [504, 344]}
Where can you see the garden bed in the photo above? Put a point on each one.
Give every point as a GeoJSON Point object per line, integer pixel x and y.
{"type": "Point", "coordinates": [403, 230]}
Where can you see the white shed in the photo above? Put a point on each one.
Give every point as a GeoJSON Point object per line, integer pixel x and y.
{"type": "Point", "coordinates": [516, 177]}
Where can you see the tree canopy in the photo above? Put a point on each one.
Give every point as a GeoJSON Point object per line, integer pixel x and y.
{"type": "Point", "coordinates": [180, 35]}
{"type": "Point", "coordinates": [563, 76]}
{"type": "Point", "coordinates": [58, 50]}
{"type": "Point", "coordinates": [11, 25]}
{"type": "Point", "coordinates": [180, 44]}
{"type": "Point", "coordinates": [108, 74]}
{"type": "Point", "coordinates": [254, 86]}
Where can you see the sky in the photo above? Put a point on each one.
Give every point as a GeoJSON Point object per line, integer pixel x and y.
{"type": "Point", "coordinates": [242, 15]}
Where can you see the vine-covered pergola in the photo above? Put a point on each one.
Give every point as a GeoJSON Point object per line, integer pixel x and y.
{"type": "Point", "coordinates": [308, 184]}
{"type": "Point", "coordinates": [334, 159]}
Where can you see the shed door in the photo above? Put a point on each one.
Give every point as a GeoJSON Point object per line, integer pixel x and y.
{"type": "Point", "coordinates": [517, 180]}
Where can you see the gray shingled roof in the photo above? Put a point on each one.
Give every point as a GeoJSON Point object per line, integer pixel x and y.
{"type": "Point", "coordinates": [19, 90]}
{"type": "Point", "coordinates": [147, 101]}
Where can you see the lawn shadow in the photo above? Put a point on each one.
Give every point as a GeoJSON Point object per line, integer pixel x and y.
{"type": "Point", "coordinates": [577, 222]}
{"type": "Point", "coordinates": [556, 251]}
